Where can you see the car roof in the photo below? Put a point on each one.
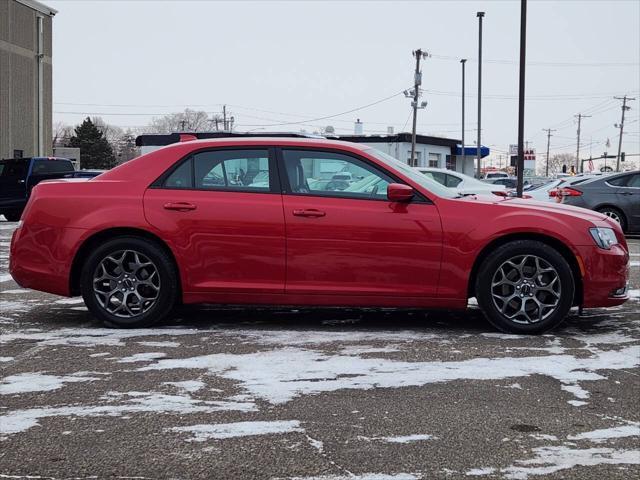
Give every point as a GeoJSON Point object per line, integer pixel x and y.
{"type": "Point", "coordinates": [276, 141]}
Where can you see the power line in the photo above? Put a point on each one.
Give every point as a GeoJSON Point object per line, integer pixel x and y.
{"type": "Point", "coordinates": [544, 64]}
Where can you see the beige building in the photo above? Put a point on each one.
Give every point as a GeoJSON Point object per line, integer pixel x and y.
{"type": "Point", "coordinates": [25, 78]}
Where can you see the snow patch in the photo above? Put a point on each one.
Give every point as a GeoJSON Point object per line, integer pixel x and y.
{"type": "Point", "coordinates": [632, 429]}
{"type": "Point", "coordinates": [37, 382]}
{"type": "Point", "coordinates": [202, 433]}
{"type": "Point", "coordinates": [549, 460]}
{"type": "Point", "coordinates": [137, 402]}
{"type": "Point", "coordinates": [159, 344]}
{"type": "Point", "coordinates": [142, 357]}
{"type": "Point", "coordinates": [480, 471]}
{"type": "Point", "coordinates": [187, 385]}
{"type": "Point", "coordinates": [268, 375]}
{"type": "Point", "coordinates": [6, 359]}
{"type": "Point", "coordinates": [70, 301]}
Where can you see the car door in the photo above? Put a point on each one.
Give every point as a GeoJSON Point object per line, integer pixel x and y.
{"type": "Point", "coordinates": [13, 174]}
{"type": "Point", "coordinates": [350, 240]}
{"type": "Point", "coordinates": [221, 210]}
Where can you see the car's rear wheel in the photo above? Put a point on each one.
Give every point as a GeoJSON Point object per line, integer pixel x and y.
{"type": "Point", "coordinates": [525, 286]}
{"type": "Point", "coordinates": [129, 282]}
{"type": "Point", "coordinates": [615, 214]}
{"type": "Point", "coordinates": [13, 215]}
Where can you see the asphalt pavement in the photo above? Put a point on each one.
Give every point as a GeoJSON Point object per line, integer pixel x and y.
{"type": "Point", "coordinates": [314, 394]}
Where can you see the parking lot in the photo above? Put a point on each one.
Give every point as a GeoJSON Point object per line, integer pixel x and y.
{"type": "Point", "coordinates": [323, 394]}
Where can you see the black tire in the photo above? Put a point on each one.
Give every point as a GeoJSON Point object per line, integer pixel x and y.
{"type": "Point", "coordinates": [535, 288]}
{"type": "Point", "coordinates": [13, 215]}
{"type": "Point", "coordinates": [166, 292]}
{"type": "Point", "coordinates": [615, 214]}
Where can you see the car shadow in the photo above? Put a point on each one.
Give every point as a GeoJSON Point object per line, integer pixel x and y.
{"type": "Point", "coordinates": [470, 321]}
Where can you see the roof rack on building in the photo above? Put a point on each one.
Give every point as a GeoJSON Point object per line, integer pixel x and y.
{"type": "Point", "coordinates": [153, 139]}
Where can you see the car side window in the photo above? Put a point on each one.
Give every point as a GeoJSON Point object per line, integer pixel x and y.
{"type": "Point", "coordinates": [242, 170]}
{"type": "Point", "coordinates": [439, 177]}
{"type": "Point", "coordinates": [452, 181]}
{"type": "Point", "coordinates": [232, 170]}
{"type": "Point", "coordinates": [619, 181]}
{"type": "Point", "coordinates": [634, 181]}
{"type": "Point", "coordinates": [181, 177]}
{"type": "Point", "coordinates": [333, 174]}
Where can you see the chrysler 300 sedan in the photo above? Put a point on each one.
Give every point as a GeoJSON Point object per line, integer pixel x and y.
{"type": "Point", "coordinates": [253, 221]}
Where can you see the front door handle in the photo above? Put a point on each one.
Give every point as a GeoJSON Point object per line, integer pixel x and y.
{"type": "Point", "coordinates": [311, 212]}
{"type": "Point", "coordinates": [179, 206]}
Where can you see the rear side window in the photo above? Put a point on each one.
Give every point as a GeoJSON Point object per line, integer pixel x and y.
{"type": "Point", "coordinates": [634, 181]}
{"type": "Point", "coordinates": [45, 166]}
{"type": "Point", "coordinates": [242, 170]}
{"type": "Point", "coordinates": [181, 177]}
{"type": "Point", "coordinates": [13, 168]}
{"type": "Point", "coordinates": [452, 181]}
{"type": "Point", "coordinates": [619, 181]}
{"type": "Point", "coordinates": [437, 176]}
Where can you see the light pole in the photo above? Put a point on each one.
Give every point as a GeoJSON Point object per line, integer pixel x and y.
{"type": "Point", "coordinates": [480, 15]}
{"type": "Point", "coordinates": [523, 51]}
{"type": "Point", "coordinates": [463, 62]}
{"type": "Point", "coordinates": [419, 54]}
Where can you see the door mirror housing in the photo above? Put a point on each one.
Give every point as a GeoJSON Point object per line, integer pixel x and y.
{"type": "Point", "coordinates": [397, 192]}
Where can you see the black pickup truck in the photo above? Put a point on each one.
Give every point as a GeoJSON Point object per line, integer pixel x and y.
{"type": "Point", "coordinates": [18, 176]}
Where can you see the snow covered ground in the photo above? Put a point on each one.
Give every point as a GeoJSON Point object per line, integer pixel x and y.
{"type": "Point", "coordinates": [326, 394]}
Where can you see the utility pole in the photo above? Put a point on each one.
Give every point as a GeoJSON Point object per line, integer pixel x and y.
{"type": "Point", "coordinates": [621, 126]}
{"type": "Point", "coordinates": [463, 61]}
{"type": "Point", "coordinates": [224, 117]}
{"type": "Point", "coordinates": [480, 15]}
{"type": "Point", "coordinates": [580, 117]}
{"type": "Point", "coordinates": [415, 94]}
{"type": "Point", "coordinates": [182, 123]}
{"type": "Point", "coordinates": [523, 51]}
{"type": "Point", "coordinates": [548, 130]}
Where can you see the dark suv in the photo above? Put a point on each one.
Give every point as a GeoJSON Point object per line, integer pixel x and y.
{"type": "Point", "coordinates": [19, 175]}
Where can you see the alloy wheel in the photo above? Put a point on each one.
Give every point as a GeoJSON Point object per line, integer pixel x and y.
{"type": "Point", "coordinates": [612, 215]}
{"type": "Point", "coordinates": [126, 283]}
{"type": "Point", "coordinates": [526, 289]}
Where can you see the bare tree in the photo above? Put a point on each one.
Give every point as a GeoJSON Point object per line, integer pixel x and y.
{"type": "Point", "coordinates": [557, 161]}
{"type": "Point", "coordinates": [187, 121]}
{"type": "Point", "coordinates": [62, 133]}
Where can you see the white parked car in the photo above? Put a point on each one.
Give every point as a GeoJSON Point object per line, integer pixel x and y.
{"type": "Point", "coordinates": [460, 182]}
{"type": "Point", "coordinates": [490, 175]}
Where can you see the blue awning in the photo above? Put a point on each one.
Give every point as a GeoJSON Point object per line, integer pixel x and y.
{"type": "Point", "coordinates": [472, 151]}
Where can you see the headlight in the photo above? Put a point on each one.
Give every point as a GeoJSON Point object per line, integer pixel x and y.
{"type": "Point", "coordinates": [604, 237]}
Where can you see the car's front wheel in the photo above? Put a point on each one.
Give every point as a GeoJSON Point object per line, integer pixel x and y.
{"type": "Point", "coordinates": [129, 282]}
{"type": "Point", "coordinates": [525, 286]}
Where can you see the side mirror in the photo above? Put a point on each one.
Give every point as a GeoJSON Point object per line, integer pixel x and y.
{"type": "Point", "coordinates": [397, 192]}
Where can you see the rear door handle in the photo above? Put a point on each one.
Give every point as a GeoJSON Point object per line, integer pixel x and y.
{"type": "Point", "coordinates": [311, 212]}
{"type": "Point", "coordinates": [179, 206]}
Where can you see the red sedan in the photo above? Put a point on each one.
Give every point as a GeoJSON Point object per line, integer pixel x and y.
{"type": "Point", "coordinates": [286, 221]}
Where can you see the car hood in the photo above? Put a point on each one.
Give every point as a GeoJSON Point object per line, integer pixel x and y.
{"type": "Point", "coordinates": [535, 205]}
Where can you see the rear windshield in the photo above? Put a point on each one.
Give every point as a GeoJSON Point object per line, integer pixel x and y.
{"type": "Point", "coordinates": [13, 167]}
{"type": "Point", "coordinates": [43, 166]}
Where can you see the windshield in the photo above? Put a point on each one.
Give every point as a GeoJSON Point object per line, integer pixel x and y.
{"type": "Point", "coordinates": [413, 174]}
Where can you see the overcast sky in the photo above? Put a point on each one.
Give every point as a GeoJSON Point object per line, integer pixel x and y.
{"type": "Point", "coordinates": [276, 62]}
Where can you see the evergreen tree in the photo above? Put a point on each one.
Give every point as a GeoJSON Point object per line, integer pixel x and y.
{"type": "Point", "coordinates": [95, 151]}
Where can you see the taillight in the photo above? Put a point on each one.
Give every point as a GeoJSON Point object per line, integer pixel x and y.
{"type": "Point", "coordinates": [501, 193]}
{"type": "Point", "coordinates": [553, 192]}
{"type": "Point", "coordinates": [568, 192]}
